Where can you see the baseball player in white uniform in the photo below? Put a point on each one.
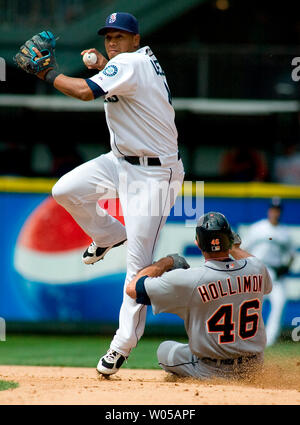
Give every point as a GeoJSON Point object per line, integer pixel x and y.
{"type": "Point", "coordinates": [143, 168]}
{"type": "Point", "coordinates": [220, 303]}
{"type": "Point", "coordinates": [270, 241]}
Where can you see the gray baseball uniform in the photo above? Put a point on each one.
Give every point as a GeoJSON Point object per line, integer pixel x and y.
{"type": "Point", "coordinates": [221, 305]}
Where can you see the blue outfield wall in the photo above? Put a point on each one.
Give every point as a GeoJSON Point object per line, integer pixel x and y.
{"type": "Point", "coordinates": [39, 285]}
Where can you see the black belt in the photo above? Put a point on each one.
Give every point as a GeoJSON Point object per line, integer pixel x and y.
{"type": "Point", "coordinates": [238, 360]}
{"type": "Point", "coordinates": [135, 160]}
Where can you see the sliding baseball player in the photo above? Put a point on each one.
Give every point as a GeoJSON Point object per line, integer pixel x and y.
{"type": "Point", "coordinates": [220, 303]}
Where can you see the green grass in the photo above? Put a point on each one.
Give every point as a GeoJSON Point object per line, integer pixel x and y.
{"type": "Point", "coordinates": [6, 385]}
{"type": "Point", "coordinates": [77, 351]}
{"type": "Point", "coordinates": [285, 354]}
{"type": "Point", "coordinates": [283, 348]}
{"type": "Point", "coordinates": [84, 351]}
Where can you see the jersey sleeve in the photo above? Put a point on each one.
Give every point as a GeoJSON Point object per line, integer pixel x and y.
{"type": "Point", "coordinates": [141, 294]}
{"type": "Point", "coordinates": [169, 293]}
{"type": "Point", "coordinates": [117, 78]}
{"type": "Point", "coordinates": [267, 280]}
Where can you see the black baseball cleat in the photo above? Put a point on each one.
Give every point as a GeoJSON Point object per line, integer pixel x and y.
{"type": "Point", "coordinates": [110, 363]}
{"type": "Point", "coordinates": [94, 253]}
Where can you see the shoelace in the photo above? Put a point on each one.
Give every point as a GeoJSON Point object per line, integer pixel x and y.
{"type": "Point", "coordinates": [92, 248]}
{"type": "Point", "coordinates": [111, 355]}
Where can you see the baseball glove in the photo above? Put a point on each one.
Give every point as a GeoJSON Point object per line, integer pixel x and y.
{"type": "Point", "coordinates": [27, 58]}
{"type": "Point", "coordinates": [179, 262]}
{"type": "Point", "coordinates": [236, 238]}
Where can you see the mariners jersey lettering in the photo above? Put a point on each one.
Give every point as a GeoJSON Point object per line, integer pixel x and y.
{"type": "Point", "coordinates": [138, 107]}
{"type": "Point", "coordinates": [220, 303]}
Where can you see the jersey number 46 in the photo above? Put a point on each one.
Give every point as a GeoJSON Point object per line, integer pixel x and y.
{"type": "Point", "coordinates": [222, 323]}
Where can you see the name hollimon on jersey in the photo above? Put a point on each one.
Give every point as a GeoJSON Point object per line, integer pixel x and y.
{"type": "Point", "coordinates": [230, 287]}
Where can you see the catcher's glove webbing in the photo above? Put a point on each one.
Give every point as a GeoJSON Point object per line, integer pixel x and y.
{"type": "Point", "coordinates": [29, 61]}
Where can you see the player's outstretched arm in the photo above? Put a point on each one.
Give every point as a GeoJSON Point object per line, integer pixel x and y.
{"type": "Point", "coordinates": [239, 253]}
{"type": "Point", "coordinates": [74, 87]}
{"type": "Point", "coordinates": [154, 270]}
{"type": "Point", "coordinates": [78, 87]}
{"type": "Point", "coordinates": [236, 251]}
{"type": "Point", "coordinates": [170, 262]}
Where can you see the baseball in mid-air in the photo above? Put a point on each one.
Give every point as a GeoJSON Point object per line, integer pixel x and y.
{"type": "Point", "coordinates": [89, 58]}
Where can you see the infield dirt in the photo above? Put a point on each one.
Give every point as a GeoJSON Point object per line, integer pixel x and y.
{"type": "Point", "coordinates": [79, 386]}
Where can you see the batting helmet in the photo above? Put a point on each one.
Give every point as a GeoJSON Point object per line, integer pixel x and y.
{"type": "Point", "coordinates": [214, 233]}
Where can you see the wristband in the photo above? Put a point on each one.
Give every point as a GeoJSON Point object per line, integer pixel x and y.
{"type": "Point", "coordinates": [50, 76]}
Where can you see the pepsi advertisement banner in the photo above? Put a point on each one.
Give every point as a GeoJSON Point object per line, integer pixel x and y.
{"type": "Point", "coordinates": [44, 279]}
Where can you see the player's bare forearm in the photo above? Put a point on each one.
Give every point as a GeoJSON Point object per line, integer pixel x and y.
{"type": "Point", "coordinates": [239, 253]}
{"type": "Point", "coordinates": [236, 251]}
{"type": "Point", "coordinates": [154, 270]}
{"type": "Point", "coordinates": [74, 87]}
{"type": "Point", "coordinates": [157, 268]}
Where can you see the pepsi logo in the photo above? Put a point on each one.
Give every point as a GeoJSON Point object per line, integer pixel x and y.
{"type": "Point", "coordinates": [51, 244]}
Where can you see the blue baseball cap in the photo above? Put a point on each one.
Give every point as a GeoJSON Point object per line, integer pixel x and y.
{"type": "Point", "coordinates": [120, 21]}
{"type": "Point", "coordinates": [276, 202]}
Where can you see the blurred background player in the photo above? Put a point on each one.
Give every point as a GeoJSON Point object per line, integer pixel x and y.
{"type": "Point", "coordinates": [270, 241]}
{"type": "Point", "coordinates": [220, 303]}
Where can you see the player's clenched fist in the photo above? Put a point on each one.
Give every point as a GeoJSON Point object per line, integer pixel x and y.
{"type": "Point", "coordinates": [93, 59]}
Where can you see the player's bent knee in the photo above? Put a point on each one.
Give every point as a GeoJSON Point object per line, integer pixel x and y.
{"type": "Point", "coordinates": [60, 193]}
{"type": "Point", "coordinates": [163, 352]}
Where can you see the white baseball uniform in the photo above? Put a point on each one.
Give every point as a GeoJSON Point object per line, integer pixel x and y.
{"type": "Point", "coordinates": [221, 305]}
{"type": "Point", "coordinates": [140, 119]}
{"type": "Point", "coordinates": [271, 244]}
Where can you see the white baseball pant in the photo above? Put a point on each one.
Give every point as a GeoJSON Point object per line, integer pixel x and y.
{"type": "Point", "coordinates": [277, 299]}
{"type": "Point", "coordinates": [146, 193]}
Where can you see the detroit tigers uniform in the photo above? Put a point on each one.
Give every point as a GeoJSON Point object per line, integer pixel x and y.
{"type": "Point", "coordinates": [143, 169]}
{"type": "Point", "coordinates": [221, 305]}
{"type": "Point", "coordinates": [272, 244]}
